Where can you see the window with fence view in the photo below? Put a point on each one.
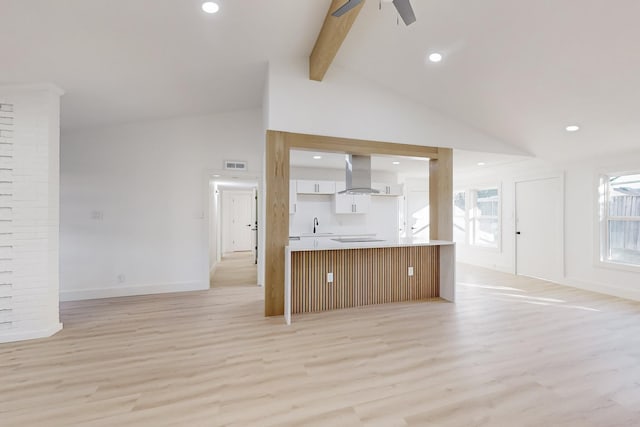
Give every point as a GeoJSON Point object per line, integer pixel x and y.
{"type": "Point", "coordinates": [484, 218]}
{"type": "Point", "coordinates": [476, 217]}
{"type": "Point", "coordinates": [459, 217]}
{"type": "Point", "coordinates": [620, 219]}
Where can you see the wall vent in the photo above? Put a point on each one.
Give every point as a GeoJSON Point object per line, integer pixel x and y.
{"type": "Point", "coordinates": [235, 165]}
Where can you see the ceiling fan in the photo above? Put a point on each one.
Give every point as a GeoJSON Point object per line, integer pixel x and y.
{"type": "Point", "coordinates": [402, 6]}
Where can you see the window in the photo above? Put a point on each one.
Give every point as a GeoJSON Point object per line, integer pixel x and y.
{"type": "Point", "coordinates": [620, 219]}
{"type": "Point", "coordinates": [476, 217]}
{"type": "Point", "coordinates": [459, 217]}
{"type": "Point", "coordinates": [484, 219]}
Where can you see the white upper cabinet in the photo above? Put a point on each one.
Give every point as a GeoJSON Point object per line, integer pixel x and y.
{"type": "Point", "coordinates": [293, 197]}
{"type": "Point", "coordinates": [351, 203]}
{"type": "Point", "coordinates": [388, 189]}
{"type": "Point", "coordinates": [315, 187]}
{"type": "Point", "coordinates": [361, 203]}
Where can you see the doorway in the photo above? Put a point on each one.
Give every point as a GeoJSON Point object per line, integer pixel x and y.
{"type": "Point", "coordinates": [234, 233]}
{"type": "Point", "coordinates": [238, 220]}
{"type": "Point", "coordinates": [417, 208]}
{"type": "Point", "coordinates": [540, 228]}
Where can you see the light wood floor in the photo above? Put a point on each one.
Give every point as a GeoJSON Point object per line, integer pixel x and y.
{"type": "Point", "coordinates": [512, 352]}
{"type": "Point", "coordinates": [235, 269]}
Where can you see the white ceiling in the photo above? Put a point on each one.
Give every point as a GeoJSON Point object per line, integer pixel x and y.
{"type": "Point", "coordinates": [520, 71]}
{"type": "Point", "coordinates": [131, 60]}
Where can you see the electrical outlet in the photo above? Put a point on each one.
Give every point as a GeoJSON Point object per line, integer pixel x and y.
{"type": "Point", "coordinates": [410, 271]}
{"type": "Point", "coordinates": [329, 277]}
{"type": "Point", "coordinates": [121, 278]}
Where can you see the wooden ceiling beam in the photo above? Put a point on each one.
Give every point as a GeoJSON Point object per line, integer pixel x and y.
{"type": "Point", "coordinates": [333, 32]}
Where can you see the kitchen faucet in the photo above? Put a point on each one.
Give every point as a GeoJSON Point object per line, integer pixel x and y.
{"type": "Point", "coordinates": [315, 224]}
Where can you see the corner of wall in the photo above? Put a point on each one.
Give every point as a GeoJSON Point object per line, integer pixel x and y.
{"type": "Point", "coordinates": [29, 206]}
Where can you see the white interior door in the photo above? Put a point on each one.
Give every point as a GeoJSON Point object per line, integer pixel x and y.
{"type": "Point", "coordinates": [418, 214]}
{"type": "Point", "coordinates": [539, 229]}
{"type": "Point", "coordinates": [239, 207]}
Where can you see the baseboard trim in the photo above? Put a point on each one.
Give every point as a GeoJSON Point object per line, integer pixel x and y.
{"type": "Point", "coordinates": [602, 289]}
{"type": "Point", "coordinates": [13, 336]}
{"type": "Point", "coordinates": [127, 291]}
{"type": "Point", "coordinates": [578, 284]}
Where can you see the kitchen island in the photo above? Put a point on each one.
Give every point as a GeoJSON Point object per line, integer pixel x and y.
{"type": "Point", "coordinates": [322, 275]}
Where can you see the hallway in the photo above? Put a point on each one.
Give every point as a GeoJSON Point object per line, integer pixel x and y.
{"type": "Point", "coordinates": [235, 269]}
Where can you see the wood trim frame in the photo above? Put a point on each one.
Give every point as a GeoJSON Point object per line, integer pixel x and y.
{"type": "Point", "coordinates": [441, 195]}
{"type": "Point", "coordinates": [278, 146]}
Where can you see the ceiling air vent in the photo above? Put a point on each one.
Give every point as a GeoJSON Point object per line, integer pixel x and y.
{"type": "Point", "coordinates": [235, 165]}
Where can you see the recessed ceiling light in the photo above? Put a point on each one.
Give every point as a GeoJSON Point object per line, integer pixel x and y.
{"type": "Point", "coordinates": [216, 176]}
{"type": "Point", "coordinates": [210, 7]}
{"type": "Point", "coordinates": [435, 57]}
{"type": "Point", "coordinates": [396, 163]}
{"type": "Point", "coordinates": [481, 163]}
{"type": "Point", "coordinates": [317, 157]}
{"type": "Point", "coordinates": [572, 128]}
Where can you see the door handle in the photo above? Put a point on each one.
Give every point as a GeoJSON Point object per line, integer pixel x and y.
{"type": "Point", "coordinates": [518, 233]}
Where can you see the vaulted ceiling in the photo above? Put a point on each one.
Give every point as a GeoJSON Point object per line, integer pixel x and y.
{"type": "Point", "coordinates": [130, 60]}
{"type": "Point", "coordinates": [520, 71]}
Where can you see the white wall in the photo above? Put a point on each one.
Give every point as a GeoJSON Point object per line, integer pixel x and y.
{"type": "Point", "coordinates": [382, 218]}
{"type": "Point", "coordinates": [347, 105]}
{"type": "Point", "coordinates": [29, 211]}
{"type": "Point", "coordinates": [504, 177]}
{"type": "Point", "coordinates": [581, 221]}
{"type": "Point", "coordinates": [581, 224]}
{"type": "Point", "coordinates": [134, 216]}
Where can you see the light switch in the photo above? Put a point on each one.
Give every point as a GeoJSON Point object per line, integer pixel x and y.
{"type": "Point", "coordinates": [329, 277]}
{"type": "Point", "coordinates": [410, 271]}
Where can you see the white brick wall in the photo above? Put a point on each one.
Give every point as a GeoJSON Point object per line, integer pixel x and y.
{"type": "Point", "coordinates": [29, 206]}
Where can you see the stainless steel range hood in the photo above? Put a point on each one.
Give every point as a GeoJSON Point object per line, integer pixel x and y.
{"type": "Point", "coordinates": [358, 175]}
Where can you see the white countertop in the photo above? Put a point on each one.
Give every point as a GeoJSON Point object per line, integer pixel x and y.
{"type": "Point", "coordinates": [328, 244]}
{"type": "Point", "coordinates": [328, 235]}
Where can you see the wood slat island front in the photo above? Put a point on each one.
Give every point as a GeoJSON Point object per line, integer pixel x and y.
{"type": "Point", "coordinates": [365, 274]}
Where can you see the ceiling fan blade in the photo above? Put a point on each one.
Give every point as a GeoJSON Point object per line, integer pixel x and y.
{"type": "Point", "coordinates": [350, 4]}
{"type": "Point", "coordinates": [405, 11]}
